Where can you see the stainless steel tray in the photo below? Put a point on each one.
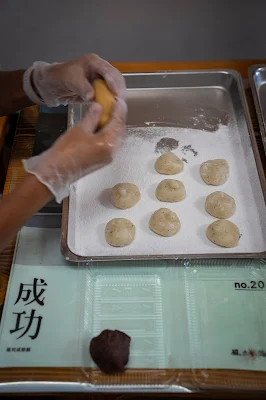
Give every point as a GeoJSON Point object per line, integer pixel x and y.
{"type": "Point", "coordinates": [257, 78]}
{"type": "Point", "coordinates": [199, 101]}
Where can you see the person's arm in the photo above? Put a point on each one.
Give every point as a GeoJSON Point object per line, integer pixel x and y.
{"type": "Point", "coordinates": [13, 97]}
{"type": "Point", "coordinates": [18, 207]}
{"type": "Point", "coordinates": [79, 151]}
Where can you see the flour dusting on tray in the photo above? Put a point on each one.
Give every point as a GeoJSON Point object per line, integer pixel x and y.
{"type": "Point", "coordinates": [91, 209]}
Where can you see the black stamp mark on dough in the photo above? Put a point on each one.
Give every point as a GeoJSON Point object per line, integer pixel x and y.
{"type": "Point", "coordinates": [166, 144]}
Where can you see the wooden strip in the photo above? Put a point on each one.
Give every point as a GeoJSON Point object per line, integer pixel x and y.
{"type": "Point", "coordinates": [191, 379]}
{"type": "Point", "coordinates": [4, 124]}
{"type": "Point", "coordinates": [22, 147]}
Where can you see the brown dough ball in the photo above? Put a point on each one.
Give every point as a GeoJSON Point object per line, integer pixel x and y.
{"type": "Point", "coordinates": [110, 351]}
{"type": "Point", "coordinates": [220, 205]}
{"type": "Point", "coordinates": [169, 164]}
{"type": "Point", "coordinates": [125, 195]}
{"type": "Point", "coordinates": [164, 222]}
{"type": "Point", "coordinates": [170, 190]}
{"type": "Point", "coordinates": [120, 232]}
{"type": "Point", "coordinates": [105, 98]}
{"type": "Point", "coordinates": [223, 233]}
{"type": "Point", "coordinates": [215, 172]}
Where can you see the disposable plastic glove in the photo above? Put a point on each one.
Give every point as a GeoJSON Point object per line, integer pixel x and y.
{"type": "Point", "coordinates": [70, 82]}
{"type": "Point", "coordinates": [79, 150]}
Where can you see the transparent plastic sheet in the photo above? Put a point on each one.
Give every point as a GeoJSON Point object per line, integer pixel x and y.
{"type": "Point", "coordinates": [193, 326]}
{"type": "Point", "coordinates": [185, 319]}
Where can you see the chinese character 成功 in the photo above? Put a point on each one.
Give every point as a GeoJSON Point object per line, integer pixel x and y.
{"type": "Point", "coordinates": [32, 318]}
{"type": "Point", "coordinates": [32, 290]}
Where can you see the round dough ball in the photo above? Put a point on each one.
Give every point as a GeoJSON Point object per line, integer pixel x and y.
{"type": "Point", "coordinates": [120, 232]}
{"type": "Point", "coordinates": [164, 222]}
{"type": "Point", "coordinates": [215, 172]}
{"type": "Point", "coordinates": [105, 98]}
{"type": "Point", "coordinates": [169, 164]}
{"type": "Point", "coordinates": [223, 233]}
{"type": "Point", "coordinates": [170, 190]}
{"type": "Point", "coordinates": [110, 351]}
{"type": "Point", "coordinates": [220, 205]}
{"type": "Point", "coordinates": [125, 195]}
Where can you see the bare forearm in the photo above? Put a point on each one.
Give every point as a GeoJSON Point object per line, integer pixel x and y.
{"type": "Point", "coordinates": [19, 206]}
{"type": "Point", "coordinates": [12, 95]}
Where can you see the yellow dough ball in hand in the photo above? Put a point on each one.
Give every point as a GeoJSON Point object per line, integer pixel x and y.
{"type": "Point", "coordinates": [105, 98]}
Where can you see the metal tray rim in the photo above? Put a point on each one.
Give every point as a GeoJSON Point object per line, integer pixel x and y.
{"type": "Point", "coordinates": [70, 256]}
{"type": "Point", "coordinates": [251, 72]}
{"type": "Point", "coordinates": [187, 72]}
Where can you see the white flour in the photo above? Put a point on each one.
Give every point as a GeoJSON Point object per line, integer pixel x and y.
{"type": "Point", "coordinates": [90, 207]}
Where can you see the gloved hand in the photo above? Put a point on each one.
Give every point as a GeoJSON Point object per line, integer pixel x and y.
{"type": "Point", "coordinates": [70, 82]}
{"type": "Point", "coordinates": [79, 151]}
